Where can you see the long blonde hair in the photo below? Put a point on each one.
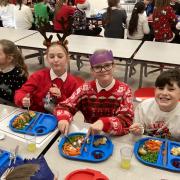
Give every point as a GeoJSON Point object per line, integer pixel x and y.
{"type": "Point", "coordinates": [11, 50]}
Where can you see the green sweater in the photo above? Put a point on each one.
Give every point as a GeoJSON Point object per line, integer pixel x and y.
{"type": "Point", "coordinates": [41, 11]}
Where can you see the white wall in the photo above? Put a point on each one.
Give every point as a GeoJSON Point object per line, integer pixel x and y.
{"type": "Point", "coordinates": [98, 4]}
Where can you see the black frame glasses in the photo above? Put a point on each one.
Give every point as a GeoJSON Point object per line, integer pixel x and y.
{"type": "Point", "coordinates": [99, 68]}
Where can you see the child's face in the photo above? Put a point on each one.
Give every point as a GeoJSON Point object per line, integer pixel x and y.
{"type": "Point", "coordinates": [4, 60]}
{"type": "Point", "coordinates": [167, 97]}
{"type": "Point", "coordinates": [103, 72]}
{"type": "Point", "coordinates": [57, 59]}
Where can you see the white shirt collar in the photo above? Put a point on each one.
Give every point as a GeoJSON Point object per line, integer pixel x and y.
{"type": "Point", "coordinates": [54, 76]}
{"type": "Point", "coordinates": [7, 69]}
{"type": "Point", "coordinates": [99, 88]}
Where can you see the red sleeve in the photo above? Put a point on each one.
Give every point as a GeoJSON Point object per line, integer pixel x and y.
{"type": "Point", "coordinates": [66, 109]}
{"type": "Point", "coordinates": [119, 125]}
{"type": "Point", "coordinates": [30, 86]}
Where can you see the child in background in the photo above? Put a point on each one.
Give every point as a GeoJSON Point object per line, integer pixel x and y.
{"type": "Point", "coordinates": [137, 23]}
{"type": "Point", "coordinates": [7, 13]}
{"type": "Point", "coordinates": [164, 20]}
{"type": "Point", "coordinates": [114, 20]}
{"type": "Point", "coordinates": [41, 11]}
{"type": "Point", "coordinates": [160, 116]}
{"type": "Point", "coordinates": [47, 87]}
{"type": "Point", "coordinates": [13, 71]}
{"type": "Point", "coordinates": [23, 16]}
{"type": "Point", "coordinates": [80, 24]}
{"type": "Point", "coordinates": [62, 10]}
{"type": "Point", "coordinates": [106, 103]}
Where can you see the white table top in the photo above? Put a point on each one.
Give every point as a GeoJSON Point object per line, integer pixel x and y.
{"type": "Point", "coordinates": [159, 52]}
{"type": "Point", "coordinates": [14, 34]}
{"type": "Point", "coordinates": [122, 48]}
{"type": "Point", "coordinates": [12, 138]}
{"type": "Point", "coordinates": [6, 111]}
{"type": "Point", "coordinates": [110, 167]}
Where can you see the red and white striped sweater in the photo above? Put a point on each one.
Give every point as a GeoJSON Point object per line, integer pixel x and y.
{"type": "Point", "coordinates": [114, 107]}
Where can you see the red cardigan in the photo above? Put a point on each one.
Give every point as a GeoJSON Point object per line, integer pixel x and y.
{"type": "Point", "coordinates": [65, 11]}
{"type": "Point", "coordinates": [114, 107]}
{"type": "Point", "coordinates": [38, 85]}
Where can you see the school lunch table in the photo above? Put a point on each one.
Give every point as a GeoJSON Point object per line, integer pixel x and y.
{"type": "Point", "coordinates": [110, 167]}
{"type": "Point", "coordinates": [157, 53]}
{"type": "Point", "coordinates": [12, 139]}
{"type": "Point", "coordinates": [14, 34]}
{"type": "Point", "coordinates": [122, 49]}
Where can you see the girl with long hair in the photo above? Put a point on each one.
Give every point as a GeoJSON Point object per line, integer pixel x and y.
{"type": "Point", "coordinates": [137, 24]}
{"type": "Point", "coordinates": [114, 20]}
{"type": "Point", "coordinates": [13, 71]}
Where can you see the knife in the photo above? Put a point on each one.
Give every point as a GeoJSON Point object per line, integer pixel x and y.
{"type": "Point", "coordinates": [165, 153]}
{"type": "Point", "coordinates": [16, 153]}
{"type": "Point", "coordinates": [34, 122]}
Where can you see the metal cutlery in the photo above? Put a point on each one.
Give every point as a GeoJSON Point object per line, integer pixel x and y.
{"type": "Point", "coordinates": [16, 153]}
{"type": "Point", "coordinates": [69, 140]}
{"type": "Point", "coordinates": [165, 151]}
{"type": "Point", "coordinates": [34, 122]}
{"type": "Point", "coordinates": [11, 157]}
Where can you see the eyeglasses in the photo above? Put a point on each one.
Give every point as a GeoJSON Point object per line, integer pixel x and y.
{"type": "Point", "coordinates": [98, 69]}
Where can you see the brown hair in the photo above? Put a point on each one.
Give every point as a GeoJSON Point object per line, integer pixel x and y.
{"type": "Point", "coordinates": [57, 44]}
{"type": "Point", "coordinates": [111, 3]}
{"type": "Point", "coordinates": [161, 3]}
{"type": "Point", "coordinates": [58, 5]}
{"type": "Point", "coordinates": [4, 2]}
{"type": "Point", "coordinates": [10, 49]}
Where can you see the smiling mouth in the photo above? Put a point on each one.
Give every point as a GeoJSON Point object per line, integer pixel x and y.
{"type": "Point", "coordinates": [164, 99]}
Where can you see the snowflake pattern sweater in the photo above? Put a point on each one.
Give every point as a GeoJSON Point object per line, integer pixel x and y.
{"type": "Point", "coordinates": [9, 82]}
{"type": "Point", "coordinates": [114, 107]}
{"type": "Point", "coordinates": [38, 86]}
{"type": "Point", "coordinates": [163, 21]}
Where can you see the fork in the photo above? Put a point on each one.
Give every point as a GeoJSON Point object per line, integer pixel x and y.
{"type": "Point", "coordinates": [69, 140]}
{"type": "Point", "coordinates": [16, 153]}
{"type": "Point", "coordinates": [11, 157]}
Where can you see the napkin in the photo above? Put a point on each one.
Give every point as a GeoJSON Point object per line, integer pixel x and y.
{"type": "Point", "coordinates": [44, 172]}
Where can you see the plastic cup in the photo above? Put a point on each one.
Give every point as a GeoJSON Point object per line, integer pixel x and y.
{"type": "Point", "coordinates": [30, 143]}
{"type": "Point", "coordinates": [126, 156]}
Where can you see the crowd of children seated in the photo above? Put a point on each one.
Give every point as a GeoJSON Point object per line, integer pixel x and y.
{"type": "Point", "coordinates": [150, 19]}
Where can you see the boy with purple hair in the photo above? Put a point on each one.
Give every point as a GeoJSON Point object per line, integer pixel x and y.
{"type": "Point", "coordinates": [106, 103]}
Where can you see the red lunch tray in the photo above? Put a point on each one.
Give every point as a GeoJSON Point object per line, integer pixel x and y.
{"type": "Point", "coordinates": [86, 174]}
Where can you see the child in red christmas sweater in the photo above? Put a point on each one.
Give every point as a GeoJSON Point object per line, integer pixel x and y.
{"type": "Point", "coordinates": [106, 103]}
{"type": "Point", "coordinates": [164, 20]}
{"type": "Point", "coordinates": [46, 87]}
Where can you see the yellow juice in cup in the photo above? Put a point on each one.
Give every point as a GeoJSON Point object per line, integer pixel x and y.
{"type": "Point", "coordinates": [31, 147]}
{"type": "Point", "coordinates": [125, 163]}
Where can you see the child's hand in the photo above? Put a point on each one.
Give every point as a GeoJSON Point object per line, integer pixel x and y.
{"type": "Point", "coordinates": [63, 126]}
{"type": "Point", "coordinates": [55, 91]}
{"type": "Point", "coordinates": [26, 101]}
{"type": "Point", "coordinates": [136, 129]}
{"type": "Point", "coordinates": [95, 128]}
